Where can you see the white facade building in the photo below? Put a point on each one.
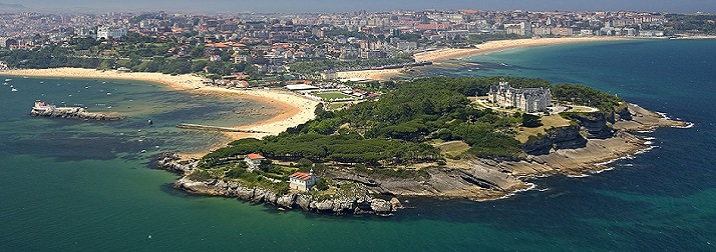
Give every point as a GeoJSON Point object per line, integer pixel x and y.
{"type": "Point", "coordinates": [527, 99]}
{"type": "Point", "coordinates": [109, 32]}
{"type": "Point", "coordinates": [301, 181]}
{"type": "Point", "coordinates": [253, 160]}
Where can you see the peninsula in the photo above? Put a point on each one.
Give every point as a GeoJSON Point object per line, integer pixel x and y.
{"type": "Point", "coordinates": [359, 145]}
{"type": "Point", "coordinates": [425, 137]}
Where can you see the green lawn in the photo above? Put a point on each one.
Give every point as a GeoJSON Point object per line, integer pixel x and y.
{"type": "Point", "coordinates": [330, 96]}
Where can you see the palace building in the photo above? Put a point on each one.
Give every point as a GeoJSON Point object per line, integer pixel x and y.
{"type": "Point", "coordinates": [527, 99]}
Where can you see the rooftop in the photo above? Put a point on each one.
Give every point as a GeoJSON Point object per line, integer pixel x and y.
{"type": "Point", "coordinates": [301, 175]}
{"type": "Point", "coordinates": [254, 156]}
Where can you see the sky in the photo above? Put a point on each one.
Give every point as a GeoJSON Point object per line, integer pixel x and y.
{"type": "Point", "coordinates": [297, 6]}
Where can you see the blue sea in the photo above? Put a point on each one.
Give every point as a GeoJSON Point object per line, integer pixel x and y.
{"type": "Point", "coordinates": [70, 185]}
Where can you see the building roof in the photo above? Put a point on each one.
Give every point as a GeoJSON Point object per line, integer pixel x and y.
{"type": "Point", "coordinates": [301, 175]}
{"type": "Point", "coordinates": [254, 156]}
{"type": "Point", "coordinates": [300, 87]}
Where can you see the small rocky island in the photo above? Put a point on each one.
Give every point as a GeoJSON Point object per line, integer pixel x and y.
{"type": "Point", "coordinates": [426, 137]}
{"type": "Point", "coordinates": [44, 109]}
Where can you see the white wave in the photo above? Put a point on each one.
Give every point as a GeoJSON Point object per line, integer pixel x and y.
{"type": "Point", "coordinates": [530, 187]}
{"type": "Point", "coordinates": [631, 156]}
{"type": "Point", "coordinates": [582, 175]}
{"type": "Point", "coordinates": [603, 170]}
{"type": "Point", "coordinates": [664, 115]}
{"type": "Point", "coordinates": [688, 126]}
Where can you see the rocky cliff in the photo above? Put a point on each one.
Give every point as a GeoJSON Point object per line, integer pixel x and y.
{"type": "Point", "coordinates": [568, 137]}
{"type": "Point", "coordinates": [595, 124]}
{"type": "Point", "coordinates": [356, 201]}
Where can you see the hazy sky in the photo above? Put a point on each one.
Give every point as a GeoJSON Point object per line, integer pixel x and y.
{"type": "Point", "coordinates": [681, 6]}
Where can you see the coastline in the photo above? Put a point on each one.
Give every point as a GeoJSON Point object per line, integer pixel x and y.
{"type": "Point", "coordinates": [477, 179]}
{"type": "Point", "coordinates": [293, 109]}
{"type": "Point", "coordinates": [481, 49]}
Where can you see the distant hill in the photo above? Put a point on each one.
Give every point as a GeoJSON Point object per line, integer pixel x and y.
{"type": "Point", "coordinates": [5, 6]}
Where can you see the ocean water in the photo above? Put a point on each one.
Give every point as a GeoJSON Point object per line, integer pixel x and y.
{"type": "Point", "coordinates": [69, 185]}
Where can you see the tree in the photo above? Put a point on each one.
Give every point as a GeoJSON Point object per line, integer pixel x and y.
{"type": "Point", "coordinates": [266, 165]}
{"type": "Point", "coordinates": [531, 121]}
{"type": "Point", "coordinates": [321, 184]}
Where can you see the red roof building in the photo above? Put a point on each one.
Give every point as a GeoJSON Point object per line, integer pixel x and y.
{"type": "Point", "coordinates": [302, 181]}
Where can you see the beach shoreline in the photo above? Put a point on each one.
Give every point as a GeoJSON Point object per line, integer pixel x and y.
{"type": "Point", "coordinates": [481, 49]}
{"type": "Point", "coordinates": [292, 109]}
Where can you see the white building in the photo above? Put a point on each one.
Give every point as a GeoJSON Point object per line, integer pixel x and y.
{"type": "Point", "coordinates": [527, 99]}
{"type": "Point", "coordinates": [109, 32]}
{"type": "Point", "coordinates": [302, 181]}
{"type": "Point", "coordinates": [253, 160]}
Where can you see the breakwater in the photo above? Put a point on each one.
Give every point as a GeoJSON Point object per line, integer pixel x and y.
{"type": "Point", "coordinates": [74, 112]}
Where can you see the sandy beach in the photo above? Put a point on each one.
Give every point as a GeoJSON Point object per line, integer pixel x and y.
{"type": "Point", "coordinates": [294, 109]}
{"type": "Point", "coordinates": [502, 45]}
{"type": "Point", "coordinates": [369, 74]}
{"type": "Point", "coordinates": [456, 53]}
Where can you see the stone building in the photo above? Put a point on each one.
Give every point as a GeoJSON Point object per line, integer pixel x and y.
{"type": "Point", "coordinates": [302, 181]}
{"type": "Point", "coordinates": [527, 99]}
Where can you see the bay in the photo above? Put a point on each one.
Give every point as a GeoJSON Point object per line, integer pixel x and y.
{"type": "Point", "coordinates": [69, 185]}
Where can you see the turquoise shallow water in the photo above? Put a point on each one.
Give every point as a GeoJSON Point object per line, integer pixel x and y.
{"type": "Point", "coordinates": [75, 186]}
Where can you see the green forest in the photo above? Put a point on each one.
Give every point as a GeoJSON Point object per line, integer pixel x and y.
{"type": "Point", "coordinates": [693, 23]}
{"type": "Point", "coordinates": [139, 53]}
{"type": "Point", "coordinates": [383, 137]}
{"type": "Point", "coordinates": [394, 129]}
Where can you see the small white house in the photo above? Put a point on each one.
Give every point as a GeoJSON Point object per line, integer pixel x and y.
{"type": "Point", "coordinates": [302, 181]}
{"type": "Point", "coordinates": [253, 160]}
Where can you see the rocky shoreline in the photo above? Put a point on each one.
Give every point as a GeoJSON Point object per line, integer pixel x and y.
{"type": "Point", "coordinates": [571, 150]}
{"type": "Point", "coordinates": [359, 202]}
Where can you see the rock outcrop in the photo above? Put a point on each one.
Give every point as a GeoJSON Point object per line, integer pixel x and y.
{"type": "Point", "coordinates": [568, 137]}
{"type": "Point", "coordinates": [173, 162]}
{"type": "Point", "coordinates": [358, 201]}
{"type": "Point", "coordinates": [595, 124]}
{"type": "Point", "coordinates": [79, 113]}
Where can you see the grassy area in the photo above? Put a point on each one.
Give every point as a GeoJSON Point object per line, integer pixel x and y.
{"type": "Point", "coordinates": [330, 96]}
{"type": "Point", "coordinates": [555, 120]}
{"type": "Point", "coordinates": [582, 109]}
{"type": "Point", "coordinates": [452, 148]}
{"type": "Point", "coordinates": [337, 105]}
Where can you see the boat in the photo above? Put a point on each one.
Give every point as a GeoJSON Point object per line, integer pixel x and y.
{"type": "Point", "coordinates": [13, 90]}
{"type": "Point", "coordinates": [4, 83]}
{"type": "Point", "coordinates": [41, 106]}
{"type": "Point", "coordinates": [8, 80]}
{"type": "Point", "coordinates": [42, 82]}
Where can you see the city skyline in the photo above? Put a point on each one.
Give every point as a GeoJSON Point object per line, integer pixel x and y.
{"type": "Point", "coordinates": [308, 6]}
